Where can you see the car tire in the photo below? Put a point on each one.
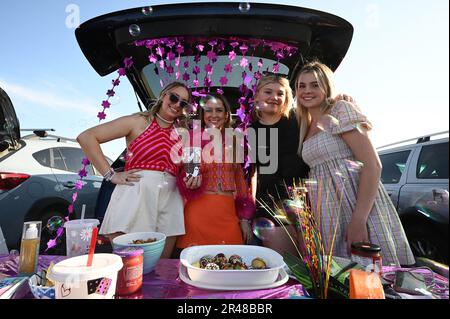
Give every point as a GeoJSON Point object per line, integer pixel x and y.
{"type": "Point", "coordinates": [425, 242]}
{"type": "Point", "coordinates": [46, 234]}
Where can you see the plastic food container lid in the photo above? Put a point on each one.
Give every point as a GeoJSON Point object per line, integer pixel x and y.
{"type": "Point", "coordinates": [129, 251]}
{"type": "Point", "coordinates": [80, 223]}
{"type": "Point", "coordinates": [366, 247]}
{"type": "Point", "coordinates": [75, 268]}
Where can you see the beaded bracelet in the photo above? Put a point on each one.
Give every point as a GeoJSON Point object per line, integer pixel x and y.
{"type": "Point", "coordinates": [109, 174]}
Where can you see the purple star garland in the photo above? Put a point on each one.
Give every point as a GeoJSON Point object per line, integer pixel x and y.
{"type": "Point", "coordinates": [128, 63]}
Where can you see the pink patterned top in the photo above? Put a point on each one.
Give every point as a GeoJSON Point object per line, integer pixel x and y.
{"type": "Point", "coordinates": [225, 177]}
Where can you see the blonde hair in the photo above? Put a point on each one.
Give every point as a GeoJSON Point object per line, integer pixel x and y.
{"type": "Point", "coordinates": [269, 79]}
{"type": "Point", "coordinates": [324, 77]}
{"type": "Point", "coordinates": [155, 106]}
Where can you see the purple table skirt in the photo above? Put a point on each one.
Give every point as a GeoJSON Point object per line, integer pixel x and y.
{"type": "Point", "coordinates": [164, 283]}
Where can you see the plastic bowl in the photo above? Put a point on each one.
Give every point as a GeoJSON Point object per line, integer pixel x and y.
{"type": "Point", "coordinates": [39, 291]}
{"type": "Point", "coordinates": [247, 277]}
{"type": "Point", "coordinates": [152, 251]}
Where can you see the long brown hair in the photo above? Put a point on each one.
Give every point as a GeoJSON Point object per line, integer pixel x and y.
{"type": "Point", "coordinates": [324, 77]}
{"type": "Point", "coordinates": [221, 98]}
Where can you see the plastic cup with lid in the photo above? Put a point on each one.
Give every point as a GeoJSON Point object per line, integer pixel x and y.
{"type": "Point", "coordinates": [78, 236]}
{"type": "Point", "coordinates": [74, 280]}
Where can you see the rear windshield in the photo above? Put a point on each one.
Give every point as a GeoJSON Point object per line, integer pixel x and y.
{"type": "Point", "coordinates": [234, 78]}
{"type": "Point", "coordinates": [226, 65]}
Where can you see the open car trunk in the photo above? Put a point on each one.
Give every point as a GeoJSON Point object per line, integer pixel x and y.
{"type": "Point", "coordinates": [157, 37]}
{"type": "Point", "coordinates": [211, 47]}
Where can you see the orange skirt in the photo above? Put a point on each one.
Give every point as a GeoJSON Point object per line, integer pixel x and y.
{"type": "Point", "coordinates": [210, 220]}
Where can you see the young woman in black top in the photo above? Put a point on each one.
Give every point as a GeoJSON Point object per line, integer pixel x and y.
{"type": "Point", "coordinates": [276, 129]}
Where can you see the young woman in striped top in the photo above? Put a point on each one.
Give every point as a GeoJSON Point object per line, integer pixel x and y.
{"type": "Point", "coordinates": [146, 197]}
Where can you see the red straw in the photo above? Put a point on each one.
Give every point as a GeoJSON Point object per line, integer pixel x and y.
{"type": "Point", "coordinates": [92, 246]}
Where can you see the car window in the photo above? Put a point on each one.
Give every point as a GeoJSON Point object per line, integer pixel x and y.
{"type": "Point", "coordinates": [50, 157]}
{"type": "Point", "coordinates": [433, 162]}
{"type": "Point", "coordinates": [394, 165]}
{"type": "Point", "coordinates": [56, 160]}
{"type": "Point", "coordinates": [43, 157]}
{"type": "Point", "coordinates": [73, 158]}
{"type": "Point", "coordinates": [96, 172]}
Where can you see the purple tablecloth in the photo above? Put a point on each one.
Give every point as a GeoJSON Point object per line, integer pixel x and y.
{"type": "Point", "coordinates": [164, 283]}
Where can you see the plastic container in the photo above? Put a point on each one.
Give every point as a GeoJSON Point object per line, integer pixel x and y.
{"type": "Point", "coordinates": [368, 256]}
{"type": "Point", "coordinates": [74, 280]}
{"type": "Point", "coordinates": [78, 236]}
{"type": "Point", "coordinates": [129, 279]}
{"type": "Point", "coordinates": [248, 277]}
{"type": "Point", "coordinates": [29, 247]}
{"type": "Point", "coordinates": [36, 283]}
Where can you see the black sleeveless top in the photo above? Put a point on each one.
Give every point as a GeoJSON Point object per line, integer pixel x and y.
{"type": "Point", "coordinates": [290, 165]}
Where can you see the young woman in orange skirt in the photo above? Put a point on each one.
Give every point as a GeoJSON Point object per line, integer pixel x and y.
{"type": "Point", "coordinates": [219, 211]}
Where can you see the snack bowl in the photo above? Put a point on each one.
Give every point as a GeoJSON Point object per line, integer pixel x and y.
{"type": "Point", "coordinates": [152, 251]}
{"type": "Point", "coordinates": [36, 283]}
{"type": "Point", "coordinates": [190, 256]}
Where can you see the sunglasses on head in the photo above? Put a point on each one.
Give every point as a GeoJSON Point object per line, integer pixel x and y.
{"type": "Point", "coordinates": [175, 98]}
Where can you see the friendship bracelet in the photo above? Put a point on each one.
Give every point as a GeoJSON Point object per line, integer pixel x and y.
{"type": "Point", "coordinates": [109, 174]}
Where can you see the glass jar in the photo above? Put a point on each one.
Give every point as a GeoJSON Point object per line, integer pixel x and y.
{"type": "Point", "coordinates": [368, 256]}
{"type": "Point", "coordinates": [129, 279]}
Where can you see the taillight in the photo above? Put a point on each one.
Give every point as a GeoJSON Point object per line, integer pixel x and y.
{"type": "Point", "coordinates": [9, 181]}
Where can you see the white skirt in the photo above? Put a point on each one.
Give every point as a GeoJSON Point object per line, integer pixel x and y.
{"type": "Point", "coordinates": [152, 204]}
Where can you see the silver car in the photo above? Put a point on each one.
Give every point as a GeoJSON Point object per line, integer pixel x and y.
{"type": "Point", "coordinates": [416, 178]}
{"type": "Point", "coordinates": [37, 178]}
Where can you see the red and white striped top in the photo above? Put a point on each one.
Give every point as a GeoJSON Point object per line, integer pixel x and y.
{"type": "Point", "coordinates": [151, 150]}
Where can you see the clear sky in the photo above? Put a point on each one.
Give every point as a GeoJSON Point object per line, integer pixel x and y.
{"type": "Point", "coordinates": [397, 67]}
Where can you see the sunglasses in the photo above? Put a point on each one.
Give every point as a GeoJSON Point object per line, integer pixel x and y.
{"type": "Point", "coordinates": [175, 99]}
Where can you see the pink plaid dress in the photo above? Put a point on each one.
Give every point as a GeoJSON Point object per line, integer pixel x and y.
{"type": "Point", "coordinates": [333, 168]}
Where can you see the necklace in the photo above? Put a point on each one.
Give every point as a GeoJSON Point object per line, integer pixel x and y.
{"type": "Point", "coordinates": [163, 119]}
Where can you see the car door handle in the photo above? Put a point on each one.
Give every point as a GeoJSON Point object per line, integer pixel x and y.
{"type": "Point", "coordinates": [69, 184]}
{"type": "Point", "coordinates": [441, 194]}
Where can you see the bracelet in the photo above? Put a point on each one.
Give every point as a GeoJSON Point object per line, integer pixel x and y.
{"type": "Point", "coordinates": [245, 220]}
{"type": "Point", "coordinates": [109, 174]}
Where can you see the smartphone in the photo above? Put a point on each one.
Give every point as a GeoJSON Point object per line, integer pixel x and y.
{"type": "Point", "coordinates": [410, 283]}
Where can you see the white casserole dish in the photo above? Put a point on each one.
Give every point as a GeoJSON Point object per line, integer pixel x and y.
{"type": "Point", "coordinates": [247, 277]}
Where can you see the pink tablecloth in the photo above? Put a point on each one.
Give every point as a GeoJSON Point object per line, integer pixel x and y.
{"type": "Point", "coordinates": [164, 283]}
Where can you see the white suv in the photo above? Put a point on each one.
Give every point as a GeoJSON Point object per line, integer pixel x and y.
{"type": "Point", "coordinates": [37, 178]}
{"type": "Point", "coordinates": [415, 176]}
